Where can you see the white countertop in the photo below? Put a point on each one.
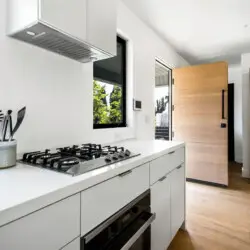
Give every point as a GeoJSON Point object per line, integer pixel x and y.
{"type": "Point", "coordinates": [25, 189]}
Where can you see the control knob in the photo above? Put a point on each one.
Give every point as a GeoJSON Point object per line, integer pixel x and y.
{"type": "Point", "coordinates": [121, 154]}
{"type": "Point", "coordinates": [108, 158]}
{"type": "Point", "coordinates": [115, 156]}
{"type": "Point", "coordinates": [127, 153]}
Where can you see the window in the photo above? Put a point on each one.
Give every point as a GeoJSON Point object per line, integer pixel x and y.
{"type": "Point", "coordinates": [110, 90]}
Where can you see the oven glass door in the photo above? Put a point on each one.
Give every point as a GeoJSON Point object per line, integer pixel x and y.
{"type": "Point", "coordinates": [135, 236]}
{"type": "Point", "coordinates": [129, 229]}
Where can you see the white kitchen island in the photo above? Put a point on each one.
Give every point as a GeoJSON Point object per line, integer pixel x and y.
{"type": "Point", "coordinates": [41, 209]}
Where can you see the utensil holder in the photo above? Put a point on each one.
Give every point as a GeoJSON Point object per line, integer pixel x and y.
{"type": "Point", "coordinates": [8, 154]}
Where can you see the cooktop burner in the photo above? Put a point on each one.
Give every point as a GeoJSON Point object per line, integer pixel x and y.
{"type": "Point", "coordinates": [76, 160]}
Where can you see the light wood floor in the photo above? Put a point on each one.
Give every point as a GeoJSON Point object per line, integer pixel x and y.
{"type": "Point", "coordinates": [217, 218]}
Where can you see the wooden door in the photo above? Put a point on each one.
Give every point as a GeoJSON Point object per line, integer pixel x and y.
{"type": "Point", "coordinates": [200, 119]}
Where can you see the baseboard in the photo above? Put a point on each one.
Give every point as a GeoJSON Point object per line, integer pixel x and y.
{"type": "Point", "coordinates": [245, 173]}
{"type": "Point", "coordinates": [238, 160]}
{"type": "Point", "coordinates": [206, 183]}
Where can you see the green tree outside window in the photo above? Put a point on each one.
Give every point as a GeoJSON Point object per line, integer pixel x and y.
{"type": "Point", "coordinates": [107, 112]}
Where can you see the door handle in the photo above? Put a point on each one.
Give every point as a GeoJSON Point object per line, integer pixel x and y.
{"type": "Point", "coordinates": [223, 124]}
{"type": "Point", "coordinates": [223, 104]}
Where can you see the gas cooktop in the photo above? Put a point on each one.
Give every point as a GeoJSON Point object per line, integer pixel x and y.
{"type": "Point", "coordinates": [77, 160]}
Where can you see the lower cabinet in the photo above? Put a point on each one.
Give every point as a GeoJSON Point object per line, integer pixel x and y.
{"type": "Point", "coordinates": [177, 181]}
{"type": "Point", "coordinates": [50, 228]}
{"type": "Point", "coordinates": [74, 245]}
{"type": "Point", "coordinates": [160, 204]}
{"type": "Point", "coordinates": [168, 202]}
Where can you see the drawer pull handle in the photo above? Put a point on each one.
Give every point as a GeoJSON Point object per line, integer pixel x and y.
{"type": "Point", "coordinates": [179, 167]}
{"type": "Point", "coordinates": [163, 178]}
{"type": "Point", "coordinates": [125, 173]}
{"type": "Point", "coordinates": [171, 153]}
{"type": "Point", "coordinates": [139, 233]}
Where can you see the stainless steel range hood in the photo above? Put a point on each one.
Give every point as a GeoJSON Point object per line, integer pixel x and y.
{"type": "Point", "coordinates": [51, 39]}
{"type": "Point", "coordinates": [57, 26]}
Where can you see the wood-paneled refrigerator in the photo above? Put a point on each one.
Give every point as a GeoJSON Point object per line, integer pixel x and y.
{"type": "Point", "coordinates": [200, 119]}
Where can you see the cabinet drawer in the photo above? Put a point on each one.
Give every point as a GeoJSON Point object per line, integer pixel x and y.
{"type": "Point", "coordinates": [100, 202]}
{"type": "Point", "coordinates": [50, 228]}
{"type": "Point", "coordinates": [165, 164]}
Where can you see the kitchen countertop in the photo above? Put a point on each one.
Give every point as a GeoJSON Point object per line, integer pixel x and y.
{"type": "Point", "coordinates": [25, 189]}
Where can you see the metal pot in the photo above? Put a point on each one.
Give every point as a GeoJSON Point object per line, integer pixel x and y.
{"type": "Point", "coordinates": [8, 154]}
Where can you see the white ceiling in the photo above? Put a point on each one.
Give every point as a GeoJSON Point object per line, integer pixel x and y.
{"type": "Point", "coordinates": [200, 30]}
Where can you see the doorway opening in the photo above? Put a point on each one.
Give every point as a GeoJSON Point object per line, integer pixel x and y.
{"type": "Point", "coordinates": [231, 150]}
{"type": "Point", "coordinates": [163, 102]}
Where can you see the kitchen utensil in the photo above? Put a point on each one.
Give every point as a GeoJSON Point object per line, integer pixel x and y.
{"type": "Point", "coordinates": [1, 115]}
{"type": "Point", "coordinates": [8, 154]}
{"type": "Point", "coordinates": [1, 124]}
{"type": "Point", "coordinates": [7, 124]}
{"type": "Point", "coordinates": [10, 122]}
{"type": "Point", "coordinates": [4, 127]}
{"type": "Point", "coordinates": [20, 117]}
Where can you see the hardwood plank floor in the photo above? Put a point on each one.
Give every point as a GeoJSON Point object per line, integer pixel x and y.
{"type": "Point", "coordinates": [217, 218]}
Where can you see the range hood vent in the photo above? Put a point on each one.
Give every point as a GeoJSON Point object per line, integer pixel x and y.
{"type": "Point", "coordinates": [82, 30]}
{"type": "Point", "coordinates": [50, 39]}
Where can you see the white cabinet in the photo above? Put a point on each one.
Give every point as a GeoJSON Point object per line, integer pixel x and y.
{"type": "Point", "coordinates": [167, 179]}
{"type": "Point", "coordinates": [50, 228]}
{"type": "Point", "coordinates": [100, 202]}
{"type": "Point", "coordinates": [101, 24]}
{"type": "Point", "coordinates": [177, 179]}
{"type": "Point", "coordinates": [165, 164]}
{"type": "Point", "coordinates": [160, 204]}
{"type": "Point", "coordinates": [70, 17]}
{"type": "Point", "coordinates": [93, 21]}
{"type": "Point", "coordinates": [74, 245]}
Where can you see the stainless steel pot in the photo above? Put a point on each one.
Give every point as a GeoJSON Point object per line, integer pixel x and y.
{"type": "Point", "coordinates": [8, 154]}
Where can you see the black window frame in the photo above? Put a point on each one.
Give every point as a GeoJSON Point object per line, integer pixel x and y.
{"type": "Point", "coordinates": [123, 124]}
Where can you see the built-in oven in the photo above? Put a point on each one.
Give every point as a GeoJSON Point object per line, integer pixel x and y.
{"type": "Point", "coordinates": [128, 229]}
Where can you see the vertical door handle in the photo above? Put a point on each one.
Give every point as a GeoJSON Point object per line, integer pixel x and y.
{"type": "Point", "coordinates": [223, 105]}
{"type": "Point", "coordinates": [223, 124]}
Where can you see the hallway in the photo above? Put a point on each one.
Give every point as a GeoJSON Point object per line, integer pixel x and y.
{"type": "Point", "coordinates": [217, 218]}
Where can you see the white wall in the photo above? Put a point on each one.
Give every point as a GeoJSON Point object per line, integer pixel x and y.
{"type": "Point", "coordinates": [58, 91]}
{"type": "Point", "coordinates": [235, 76]}
{"type": "Point", "coordinates": [245, 66]}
